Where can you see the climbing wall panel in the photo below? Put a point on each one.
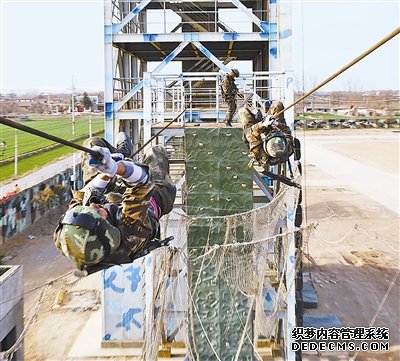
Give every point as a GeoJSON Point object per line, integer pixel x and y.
{"type": "Point", "coordinates": [218, 183]}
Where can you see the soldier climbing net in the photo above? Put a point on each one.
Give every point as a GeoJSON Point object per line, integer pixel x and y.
{"type": "Point", "coordinates": [237, 278]}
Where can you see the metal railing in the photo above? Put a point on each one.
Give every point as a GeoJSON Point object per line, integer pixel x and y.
{"type": "Point", "coordinates": [200, 93]}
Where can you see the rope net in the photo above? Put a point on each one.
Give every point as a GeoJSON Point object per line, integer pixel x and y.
{"type": "Point", "coordinates": [234, 277]}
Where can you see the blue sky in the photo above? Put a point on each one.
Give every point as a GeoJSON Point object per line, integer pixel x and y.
{"type": "Point", "coordinates": [46, 43]}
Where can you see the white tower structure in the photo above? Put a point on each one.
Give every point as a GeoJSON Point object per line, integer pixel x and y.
{"type": "Point", "coordinates": [164, 61]}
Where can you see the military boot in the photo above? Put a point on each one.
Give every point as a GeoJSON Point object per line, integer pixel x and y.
{"type": "Point", "coordinates": [124, 145]}
{"type": "Point", "coordinates": [156, 159]}
{"type": "Point", "coordinates": [165, 191]}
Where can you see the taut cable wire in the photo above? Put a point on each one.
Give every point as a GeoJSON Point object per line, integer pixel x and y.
{"type": "Point", "coordinates": [39, 133]}
{"type": "Point", "coordinates": [349, 65]}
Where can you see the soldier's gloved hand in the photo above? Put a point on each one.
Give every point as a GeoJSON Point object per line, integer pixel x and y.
{"type": "Point", "coordinates": [117, 156]}
{"type": "Point", "coordinates": [269, 120]}
{"type": "Point", "coordinates": [250, 164]}
{"type": "Point", "coordinates": [107, 165]}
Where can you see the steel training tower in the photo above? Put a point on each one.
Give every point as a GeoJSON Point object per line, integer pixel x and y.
{"type": "Point", "coordinates": [163, 56]}
{"type": "Point", "coordinates": [163, 61]}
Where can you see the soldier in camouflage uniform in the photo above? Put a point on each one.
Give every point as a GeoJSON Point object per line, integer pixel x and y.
{"type": "Point", "coordinates": [229, 91]}
{"type": "Point", "coordinates": [103, 228]}
{"type": "Point", "coordinates": [256, 131]}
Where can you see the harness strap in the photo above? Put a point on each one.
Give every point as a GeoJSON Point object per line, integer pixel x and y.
{"type": "Point", "coordinates": [156, 208]}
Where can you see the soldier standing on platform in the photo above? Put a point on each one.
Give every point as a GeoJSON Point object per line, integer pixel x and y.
{"type": "Point", "coordinates": [229, 91]}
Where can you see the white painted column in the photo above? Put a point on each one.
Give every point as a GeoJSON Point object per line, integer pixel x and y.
{"type": "Point", "coordinates": [217, 97]}
{"type": "Point", "coordinates": [160, 102]}
{"type": "Point", "coordinates": [147, 106]}
{"type": "Point", "coordinates": [108, 70]}
{"type": "Point", "coordinates": [289, 97]}
{"type": "Point", "coordinates": [182, 105]}
{"type": "Point", "coordinates": [291, 257]}
{"type": "Point", "coordinates": [290, 281]}
{"type": "Point", "coordinates": [123, 302]}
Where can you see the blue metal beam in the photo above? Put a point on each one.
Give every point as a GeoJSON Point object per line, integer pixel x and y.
{"type": "Point", "coordinates": [170, 57]}
{"type": "Point", "coordinates": [210, 56]}
{"type": "Point", "coordinates": [118, 27]}
{"type": "Point", "coordinates": [202, 37]}
{"type": "Point", "coordinates": [161, 66]}
{"type": "Point", "coordinates": [263, 25]}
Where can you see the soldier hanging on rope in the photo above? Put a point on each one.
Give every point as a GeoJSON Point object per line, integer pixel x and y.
{"type": "Point", "coordinates": [229, 91]}
{"type": "Point", "coordinates": [114, 218]}
{"type": "Point", "coordinates": [269, 139]}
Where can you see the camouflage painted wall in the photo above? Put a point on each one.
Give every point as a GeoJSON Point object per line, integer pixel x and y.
{"type": "Point", "coordinates": [27, 206]}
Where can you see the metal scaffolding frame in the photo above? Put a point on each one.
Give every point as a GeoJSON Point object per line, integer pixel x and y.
{"type": "Point", "coordinates": [191, 32]}
{"type": "Point", "coordinates": [199, 39]}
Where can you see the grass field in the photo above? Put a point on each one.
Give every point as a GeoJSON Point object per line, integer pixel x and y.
{"type": "Point", "coordinates": [35, 162]}
{"type": "Point", "coordinates": [322, 116]}
{"type": "Point", "coordinates": [60, 127]}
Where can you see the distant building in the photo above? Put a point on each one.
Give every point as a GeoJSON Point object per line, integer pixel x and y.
{"type": "Point", "coordinates": [46, 103]}
{"type": "Point", "coordinates": [23, 105]}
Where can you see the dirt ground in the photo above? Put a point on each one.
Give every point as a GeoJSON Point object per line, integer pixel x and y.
{"type": "Point", "coordinates": [352, 256]}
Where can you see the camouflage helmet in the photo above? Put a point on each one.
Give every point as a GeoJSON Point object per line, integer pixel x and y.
{"type": "Point", "coordinates": [277, 148]}
{"type": "Point", "coordinates": [85, 237]}
{"type": "Point", "coordinates": [275, 108]}
{"type": "Point", "coordinates": [236, 72]}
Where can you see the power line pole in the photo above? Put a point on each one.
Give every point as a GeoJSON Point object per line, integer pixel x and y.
{"type": "Point", "coordinates": [16, 153]}
{"type": "Point", "coordinates": [90, 125]}
{"type": "Point", "coordinates": [73, 176]}
{"type": "Point", "coordinates": [73, 107]}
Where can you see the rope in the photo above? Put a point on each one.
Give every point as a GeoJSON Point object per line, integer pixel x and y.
{"type": "Point", "coordinates": [342, 70]}
{"type": "Point", "coordinates": [201, 323]}
{"type": "Point", "coordinates": [384, 298]}
{"type": "Point", "coordinates": [360, 228]}
{"type": "Point", "coordinates": [344, 237]}
{"type": "Point", "coordinates": [158, 133]}
{"type": "Point", "coordinates": [241, 244]}
{"type": "Point", "coordinates": [39, 133]}
{"type": "Point", "coordinates": [242, 338]}
{"type": "Point", "coordinates": [41, 286]}
{"type": "Point", "coordinates": [170, 123]}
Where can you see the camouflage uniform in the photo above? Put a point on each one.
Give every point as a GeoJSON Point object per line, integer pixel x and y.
{"type": "Point", "coordinates": [229, 91]}
{"type": "Point", "coordinates": [134, 209]}
{"type": "Point", "coordinates": [253, 129]}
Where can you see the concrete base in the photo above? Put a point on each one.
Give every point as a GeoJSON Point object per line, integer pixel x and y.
{"type": "Point", "coordinates": [89, 345]}
{"type": "Point", "coordinates": [324, 321]}
{"type": "Point", "coordinates": [310, 299]}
